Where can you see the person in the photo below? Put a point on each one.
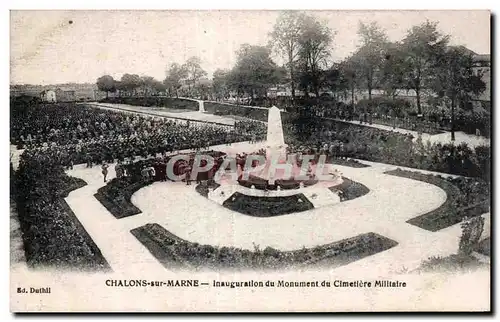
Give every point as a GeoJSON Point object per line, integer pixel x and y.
{"type": "Point", "coordinates": [188, 176]}
{"type": "Point", "coordinates": [119, 170]}
{"type": "Point", "coordinates": [145, 173]}
{"type": "Point", "coordinates": [104, 170]}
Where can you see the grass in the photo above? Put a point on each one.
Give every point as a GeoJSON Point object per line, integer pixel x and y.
{"type": "Point", "coordinates": [175, 253]}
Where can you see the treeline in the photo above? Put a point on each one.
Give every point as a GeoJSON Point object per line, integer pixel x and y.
{"type": "Point", "coordinates": [423, 61]}
{"type": "Point", "coordinates": [177, 76]}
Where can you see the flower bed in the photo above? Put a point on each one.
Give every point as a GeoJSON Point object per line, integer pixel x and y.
{"type": "Point", "coordinates": [176, 253]}
{"type": "Point", "coordinates": [466, 197]}
{"type": "Point", "coordinates": [52, 235]}
{"type": "Point", "coordinates": [115, 196]}
{"type": "Point", "coordinates": [349, 189]}
{"type": "Point", "coordinates": [267, 206]}
{"type": "Point", "coordinates": [285, 184]}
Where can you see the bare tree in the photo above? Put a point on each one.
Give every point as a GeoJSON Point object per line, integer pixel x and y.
{"type": "Point", "coordinates": [422, 45]}
{"type": "Point", "coordinates": [370, 56]}
{"type": "Point", "coordinates": [285, 41]}
{"type": "Point", "coordinates": [194, 71]}
{"type": "Point", "coordinates": [315, 40]}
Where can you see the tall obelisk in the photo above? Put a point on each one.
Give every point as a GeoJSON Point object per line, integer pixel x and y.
{"type": "Point", "coordinates": [275, 145]}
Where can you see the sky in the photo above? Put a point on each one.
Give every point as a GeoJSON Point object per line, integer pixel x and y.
{"type": "Point", "coordinates": [54, 47]}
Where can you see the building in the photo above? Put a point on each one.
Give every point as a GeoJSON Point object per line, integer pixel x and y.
{"type": "Point", "coordinates": [48, 96]}
{"type": "Point", "coordinates": [57, 95]}
{"type": "Point", "coordinates": [482, 67]}
{"type": "Point", "coordinates": [65, 95]}
{"type": "Point", "coordinates": [63, 92]}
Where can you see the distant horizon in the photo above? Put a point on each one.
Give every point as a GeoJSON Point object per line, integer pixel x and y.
{"type": "Point", "coordinates": [51, 48]}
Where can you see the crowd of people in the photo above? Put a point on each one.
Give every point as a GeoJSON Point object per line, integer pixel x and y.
{"type": "Point", "coordinates": [72, 134]}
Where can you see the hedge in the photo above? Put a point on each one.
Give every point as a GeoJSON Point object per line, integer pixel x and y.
{"type": "Point", "coordinates": [166, 102]}
{"type": "Point", "coordinates": [175, 253]}
{"type": "Point", "coordinates": [52, 234]}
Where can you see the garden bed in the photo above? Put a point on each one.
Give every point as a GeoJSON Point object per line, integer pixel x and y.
{"type": "Point", "coordinates": [465, 197]}
{"type": "Point", "coordinates": [267, 206]}
{"type": "Point", "coordinates": [52, 234]}
{"type": "Point", "coordinates": [115, 196]}
{"type": "Point", "coordinates": [204, 187]}
{"type": "Point", "coordinates": [175, 253]}
{"type": "Point", "coordinates": [349, 189]}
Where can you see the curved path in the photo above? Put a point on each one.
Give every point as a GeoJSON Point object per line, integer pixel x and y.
{"type": "Point", "coordinates": [384, 210]}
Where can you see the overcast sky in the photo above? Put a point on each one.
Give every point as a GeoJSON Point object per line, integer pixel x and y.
{"type": "Point", "coordinates": [50, 47]}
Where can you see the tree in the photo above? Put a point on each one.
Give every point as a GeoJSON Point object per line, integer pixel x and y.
{"type": "Point", "coordinates": [194, 71]}
{"type": "Point", "coordinates": [220, 84]}
{"type": "Point", "coordinates": [349, 74]}
{"type": "Point", "coordinates": [106, 84]}
{"type": "Point", "coordinates": [421, 46]}
{"type": "Point", "coordinates": [334, 79]}
{"type": "Point", "coordinates": [119, 88]}
{"type": "Point", "coordinates": [147, 84]}
{"type": "Point", "coordinates": [369, 58]}
{"type": "Point", "coordinates": [392, 70]}
{"type": "Point", "coordinates": [158, 86]}
{"type": "Point", "coordinates": [130, 82]}
{"type": "Point", "coordinates": [254, 71]}
{"type": "Point", "coordinates": [285, 40]}
{"type": "Point", "coordinates": [173, 80]}
{"type": "Point", "coordinates": [454, 78]}
{"type": "Point", "coordinates": [315, 39]}
{"type": "Point", "coordinates": [203, 88]}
